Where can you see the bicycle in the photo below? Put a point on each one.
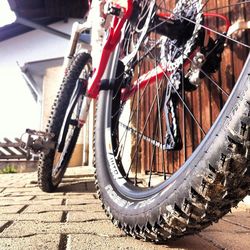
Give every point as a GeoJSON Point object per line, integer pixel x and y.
{"type": "Point", "coordinates": [171, 142]}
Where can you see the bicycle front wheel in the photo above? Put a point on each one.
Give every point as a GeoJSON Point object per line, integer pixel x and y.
{"type": "Point", "coordinates": [64, 123]}
{"type": "Point", "coordinates": [172, 151]}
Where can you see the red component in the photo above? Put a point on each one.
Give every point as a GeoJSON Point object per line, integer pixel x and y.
{"type": "Point", "coordinates": [164, 15]}
{"type": "Point", "coordinates": [227, 21]}
{"type": "Point", "coordinates": [108, 48]}
{"type": "Point", "coordinates": [144, 80]}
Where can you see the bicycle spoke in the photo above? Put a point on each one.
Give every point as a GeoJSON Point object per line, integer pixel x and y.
{"type": "Point", "coordinates": [186, 106]}
{"type": "Point", "coordinates": [203, 26]}
{"type": "Point", "coordinates": [140, 135]}
{"type": "Point", "coordinates": [144, 124]}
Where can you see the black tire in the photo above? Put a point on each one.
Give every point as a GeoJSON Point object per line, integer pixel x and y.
{"type": "Point", "coordinates": [63, 124]}
{"type": "Point", "coordinates": [205, 187]}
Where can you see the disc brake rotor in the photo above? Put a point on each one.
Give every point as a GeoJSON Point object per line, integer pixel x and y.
{"type": "Point", "coordinates": [172, 52]}
{"type": "Point", "coordinates": [175, 51]}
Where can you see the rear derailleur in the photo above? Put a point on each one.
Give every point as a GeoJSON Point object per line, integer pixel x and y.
{"type": "Point", "coordinates": [205, 62]}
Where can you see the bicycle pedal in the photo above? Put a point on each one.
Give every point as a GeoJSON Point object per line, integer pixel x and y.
{"type": "Point", "coordinates": [39, 133]}
{"type": "Point", "coordinates": [39, 141]}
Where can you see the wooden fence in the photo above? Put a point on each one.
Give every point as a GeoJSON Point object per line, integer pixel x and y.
{"type": "Point", "coordinates": [10, 150]}
{"type": "Point", "coordinates": [205, 103]}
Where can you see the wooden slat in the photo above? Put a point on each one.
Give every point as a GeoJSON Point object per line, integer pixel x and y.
{"type": "Point", "coordinates": [20, 150]}
{"type": "Point", "coordinates": [7, 149]}
{"type": "Point", "coordinates": [205, 102]}
{"type": "Point", "coordinates": [2, 153]}
{"type": "Point", "coordinates": [12, 150]}
{"type": "Point", "coordinates": [9, 157]}
{"type": "Point", "coordinates": [18, 140]}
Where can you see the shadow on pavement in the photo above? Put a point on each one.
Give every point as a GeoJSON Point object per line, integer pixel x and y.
{"type": "Point", "coordinates": [77, 185]}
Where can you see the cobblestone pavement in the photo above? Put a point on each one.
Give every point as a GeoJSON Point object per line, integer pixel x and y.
{"type": "Point", "coordinates": [72, 218]}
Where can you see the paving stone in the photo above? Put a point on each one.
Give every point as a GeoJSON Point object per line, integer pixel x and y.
{"type": "Point", "coordinates": [82, 200]}
{"type": "Point", "coordinates": [30, 185]}
{"type": "Point", "coordinates": [84, 207]}
{"type": "Point", "coordinates": [85, 171]}
{"type": "Point", "coordinates": [21, 191]}
{"type": "Point", "coordinates": [10, 209]}
{"type": "Point", "coordinates": [12, 184]}
{"type": "Point", "coordinates": [16, 198]}
{"type": "Point", "coordinates": [73, 199]}
{"type": "Point", "coordinates": [77, 186]}
{"type": "Point", "coordinates": [241, 218]}
{"type": "Point", "coordinates": [74, 179]}
{"type": "Point", "coordinates": [32, 242]}
{"type": "Point", "coordinates": [38, 220]}
{"type": "Point", "coordinates": [21, 201]}
{"type": "Point", "coordinates": [15, 180]}
{"type": "Point", "coordinates": [42, 217]}
{"type": "Point", "coordinates": [26, 228]}
{"type": "Point", "coordinates": [77, 194]}
{"type": "Point", "coordinates": [86, 216]}
{"type": "Point", "coordinates": [2, 224]}
{"type": "Point", "coordinates": [228, 236]}
{"type": "Point", "coordinates": [49, 196]}
{"type": "Point", "coordinates": [112, 243]}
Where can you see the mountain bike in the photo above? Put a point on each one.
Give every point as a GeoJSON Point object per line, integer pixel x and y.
{"type": "Point", "coordinates": [172, 135]}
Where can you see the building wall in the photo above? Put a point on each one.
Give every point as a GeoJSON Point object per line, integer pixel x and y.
{"type": "Point", "coordinates": [34, 46]}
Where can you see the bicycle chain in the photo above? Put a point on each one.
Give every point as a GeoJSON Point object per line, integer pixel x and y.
{"type": "Point", "coordinates": [171, 138]}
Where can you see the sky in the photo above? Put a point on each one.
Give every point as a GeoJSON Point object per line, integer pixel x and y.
{"type": "Point", "coordinates": [6, 15]}
{"type": "Point", "coordinates": [18, 110]}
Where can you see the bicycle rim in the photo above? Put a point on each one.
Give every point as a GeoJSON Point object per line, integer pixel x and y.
{"type": "Point", "coordinates": [143, 156]}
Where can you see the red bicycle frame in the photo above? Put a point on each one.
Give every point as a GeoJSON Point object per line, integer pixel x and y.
{"type": "Point", "coordinates": [114, 35]}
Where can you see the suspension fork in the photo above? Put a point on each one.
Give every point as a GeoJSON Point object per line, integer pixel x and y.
{"type": "Point", "coordinates": [104, 73]}
{"type": "Point", "coordinates": [107, 81]}
{"type": "Point", "coordinates": [113, 38]}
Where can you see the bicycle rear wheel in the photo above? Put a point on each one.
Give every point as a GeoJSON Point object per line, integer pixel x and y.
{"type": "Point", "coordinates": [172, 154]}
